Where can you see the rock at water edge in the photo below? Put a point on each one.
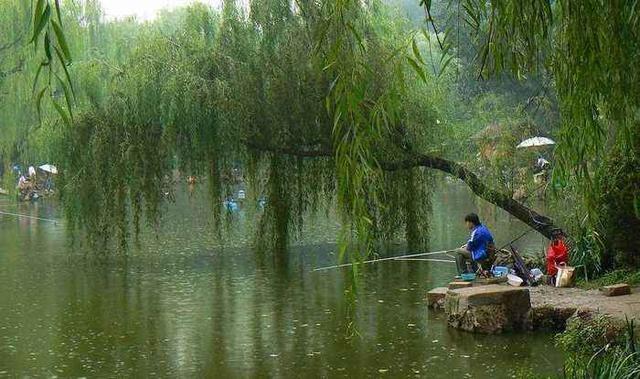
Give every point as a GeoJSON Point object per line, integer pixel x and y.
{"type": "Point", "coordinates": [489, 309]}
{"type": "Point", "coordinates": [435, 297]}
{"type": "Point", "coordinates": [616, 290]}
{"type": "Point", "coordinates": [456, 285]}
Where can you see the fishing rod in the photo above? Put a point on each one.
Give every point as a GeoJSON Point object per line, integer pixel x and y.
{"type": "Point", "coordinates": [529, 230]}
{"type": "Point", "coordinates": [425, 260]}
{"type": "Point", "coordinates": [409, 256]}
{"type": "Point", "coordinates": [544, 221]}
{"type": "Point", "coordinates": [27, 216]}
{"type": "Point", "coordinates": [380, 260]}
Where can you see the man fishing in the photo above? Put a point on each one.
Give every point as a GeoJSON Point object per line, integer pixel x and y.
{"type": "Point", "coordinates": [478, 247]}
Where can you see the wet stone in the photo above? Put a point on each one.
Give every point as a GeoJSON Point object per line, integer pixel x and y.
{"type": "Point", "coordinates": [616, 290]}
{"type": "Point", "coordinates": [487, 281]}
{"type": "Point", "coordinates": [488, 309]}
{"type": "Point", "coordinates": [435, 297]}
{"type": "Point", "coordinates": [459, 284]}
{"type": "Point", "coordinates": [551, 318]}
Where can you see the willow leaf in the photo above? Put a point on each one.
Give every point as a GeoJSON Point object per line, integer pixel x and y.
{"type": "Point", "coordinates": [418, 69]}
{"type": "Point", "coordinates": [62, 42]}
{"type": "Point", "coordinates": [66, 72]}
{"type": "Point", "coordinates": [62, 113]}
{"type": "Point", "coordinates": [416, 51]}
{"type": "Point", "coordinates": [41, 20]}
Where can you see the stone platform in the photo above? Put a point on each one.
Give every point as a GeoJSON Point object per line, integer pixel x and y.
{"type": "Point", "coordinates": [471, 308]}
{"type": "Point", "coordinates": [489, 309]}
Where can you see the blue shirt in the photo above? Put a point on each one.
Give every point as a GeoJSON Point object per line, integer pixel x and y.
{"type": "Point", "coordinates": [479, 242]}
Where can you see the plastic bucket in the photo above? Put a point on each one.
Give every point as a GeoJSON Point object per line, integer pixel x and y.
{"type": "Point", "coordinates": [514, 280]}
{"type": "Point", "coordinates": [468, 276]}
{"type": "Point", "coordinates": [499, 271]}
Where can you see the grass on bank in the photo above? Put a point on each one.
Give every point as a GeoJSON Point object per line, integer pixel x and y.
{"type": "Point", "coordinates": [630, 277]}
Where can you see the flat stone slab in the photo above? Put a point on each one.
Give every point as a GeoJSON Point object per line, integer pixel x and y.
{"type": "Point", "coordinates": [616, 290]}
{"type": "Point", "coordinates": [435, 297]}
{"type": "Point", "coordinates": [459, 284]}
{"type": "Point", "coordinates": [489, 309]}
{"type": "Point", "coordinates": [487, 281]}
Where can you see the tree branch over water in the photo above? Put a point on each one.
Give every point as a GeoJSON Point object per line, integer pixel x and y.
{"type": "Point", "coordinates": [535, 220]}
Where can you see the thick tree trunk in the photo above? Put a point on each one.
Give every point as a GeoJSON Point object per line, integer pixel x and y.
{"type": "Point", "coordinates": [538, 222]}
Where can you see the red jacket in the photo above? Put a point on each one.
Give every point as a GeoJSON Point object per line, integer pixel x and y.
{"type": "Point", "coordinates": [556, 253]}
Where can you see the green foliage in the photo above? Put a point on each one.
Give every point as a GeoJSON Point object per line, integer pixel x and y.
{"type": "Point", "coordinates": [30, 122]}
{"type": "Point", "coordinates": [345, 83]}
{"type": "Point", "coordinates": [614, 360]}
{"type": "Point", "coordinates": [615, 364]}
{"type": "Point", "coordinates": [48, 27]}
{"type": "Point", "coordinates": [613, 277]}
{"type": "Point", "coordinates": [617, 190]}
{"type": "Point", "coordinates": [526, 373]}
{"type": "Point", "coordinates": [587, 334]}
{"type": "Point", "coordinates": [594, 79]}
{"type": "Point", "coordinates": [365, 104]}
{"type": "Point", "coordinates": [118, 189]}
{"type": "Point", "coordinates": [213, 93]}
{"type": "Point", "coordinates": [587, 248]}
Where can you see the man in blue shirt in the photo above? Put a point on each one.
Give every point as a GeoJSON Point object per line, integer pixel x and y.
{"type": "Point", "coordinates": [479, 245]}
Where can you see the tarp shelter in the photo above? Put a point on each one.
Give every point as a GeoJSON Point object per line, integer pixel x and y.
{"type": "Point", "coordinates": [536, 141]}
{"type": "Point", "coordinates": [49, 168]}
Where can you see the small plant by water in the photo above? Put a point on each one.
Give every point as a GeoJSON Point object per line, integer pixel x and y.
{"type": "Point", "coordinates": [598, 347]}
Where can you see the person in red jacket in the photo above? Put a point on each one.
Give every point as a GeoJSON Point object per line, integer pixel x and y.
{"type": "Point", "coordinates": [557, 253]}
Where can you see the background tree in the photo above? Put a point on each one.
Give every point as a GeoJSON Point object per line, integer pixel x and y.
{"type": "Point", "coordinates": [594, 77]}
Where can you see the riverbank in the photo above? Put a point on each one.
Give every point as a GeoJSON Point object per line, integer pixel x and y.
{"type": "Point", "coordinates": [597, 333]}
{"type": "Point", "coordinates": [551, 307]}
{"type": "Point", "coordinates": [565, 300]}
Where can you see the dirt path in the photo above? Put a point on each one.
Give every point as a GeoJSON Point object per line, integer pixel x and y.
{"type": "Point", "coordinates": [576, 298]}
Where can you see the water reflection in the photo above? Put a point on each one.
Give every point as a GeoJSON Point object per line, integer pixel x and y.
{"type": "Point", "coordinates": [185, 307]}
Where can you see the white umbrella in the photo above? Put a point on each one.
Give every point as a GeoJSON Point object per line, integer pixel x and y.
{"type": "Point", "coordinates": [49, 168]}
{"type": "Point", "coordinates": [536, 141]}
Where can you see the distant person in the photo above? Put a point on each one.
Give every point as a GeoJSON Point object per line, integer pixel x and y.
{"type": "Point", "coordinates": [48, 184]}
{"type": "Point", "coordinates": [542, 164]}
{"type": "Point", "coordinates": [557, 254]}
{"type": "Point", "coordinates": [22, 182]}
{"type": "Point", "coordinates": [478, 247]}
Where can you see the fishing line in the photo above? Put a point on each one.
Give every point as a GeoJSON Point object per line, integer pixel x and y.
{"type": "Point", "coordinates": [27, 216]}
{"type": "Point", "coordinates": [380, 260]}
{"type": "Point", "coordinates": [425, 260]}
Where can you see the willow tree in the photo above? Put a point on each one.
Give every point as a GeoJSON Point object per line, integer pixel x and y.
{"type": "Point", "coordinates": [16, 64]}
{"type": "Point", "coordinates": [321, 103]}
{"type": "Point", "coordinates": [590, 50]}
{"type": "Point", "coordinates": [35, 86]}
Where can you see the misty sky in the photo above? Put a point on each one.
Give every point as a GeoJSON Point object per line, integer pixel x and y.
{"type": "Point", "coordinates": [143, 9]}
{"type": "Point", "coordinates": [147, 9]}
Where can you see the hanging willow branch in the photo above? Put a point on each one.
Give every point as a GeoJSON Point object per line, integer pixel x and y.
{"type": "Point", "coordinates": [523, 213]}
{"type": "Point", "coordinates": [56, 58]}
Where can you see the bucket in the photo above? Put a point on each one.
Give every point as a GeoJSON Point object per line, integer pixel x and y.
{"type": "Point", "coordinates": [565, 275]}
{"type": "Point", "coordinates": [500, 271]}
{"type": "Point", "coordinates": [514, 280]}
{"type": "Point", "coordinates": [468, 277]}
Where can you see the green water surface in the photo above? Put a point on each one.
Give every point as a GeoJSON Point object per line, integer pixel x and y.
{"type": "Point", "coordinates": [182, 306]}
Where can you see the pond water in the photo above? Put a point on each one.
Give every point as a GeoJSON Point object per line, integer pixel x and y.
{"type": "Point", "coordinates": [184, 307]}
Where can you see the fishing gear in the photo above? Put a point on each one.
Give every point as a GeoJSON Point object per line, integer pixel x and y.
{"type": "Point", "coordinates": [540, 220]}
{"type": "Point", "coordinates": [425, 260]}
